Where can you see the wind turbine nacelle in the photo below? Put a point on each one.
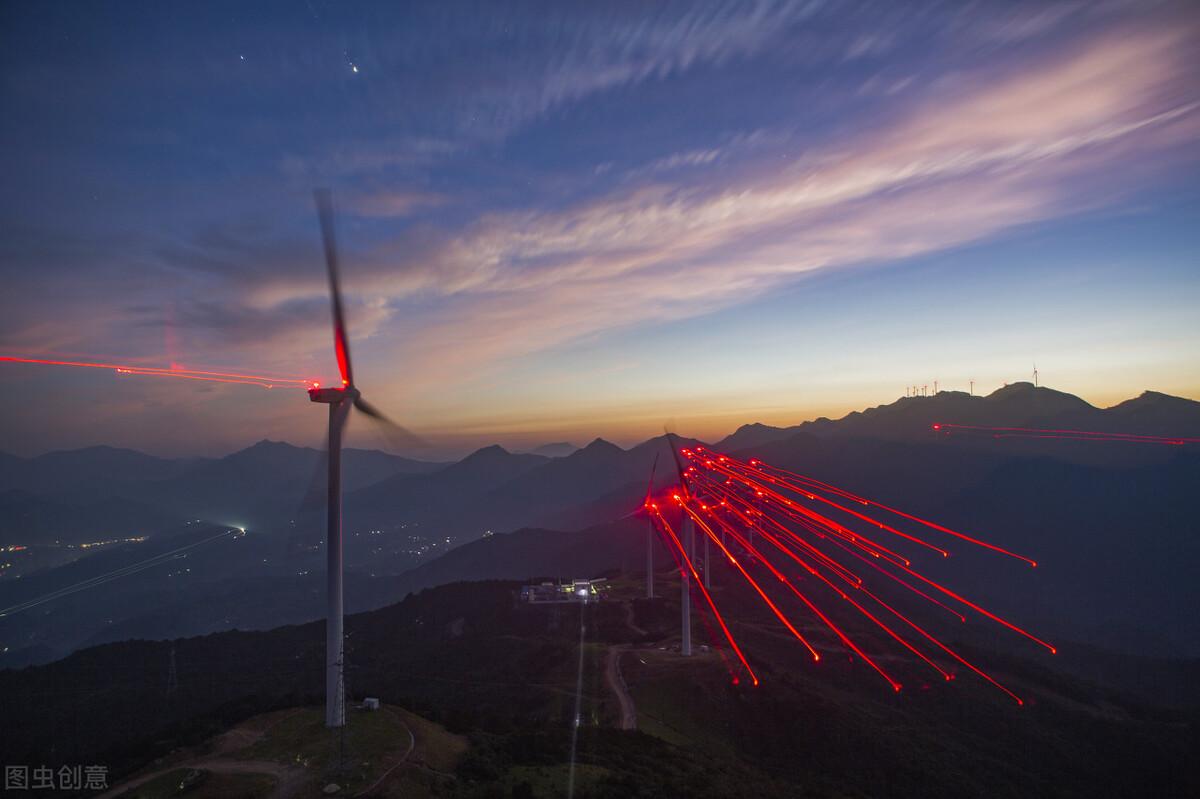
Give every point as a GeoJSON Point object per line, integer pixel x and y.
{"type": "Point", "coordinates": [332, 395]}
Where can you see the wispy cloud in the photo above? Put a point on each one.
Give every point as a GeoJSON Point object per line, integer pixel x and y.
{"type": "Point", "coordinates": [680, 237]}
{"type": "Point", "coordinates": [613, 52]}
{"type": "Point", "coordinates": [990, 153]}
{"type": "Point", "coordinates": [478, 228]}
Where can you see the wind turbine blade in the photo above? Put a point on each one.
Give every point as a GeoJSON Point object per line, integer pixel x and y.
{"type": "Point", "coordinates": [324, 201]}
{"type": "Point", "coordinates": [678, 463]}
{"type": "Point", "coordinates": [650, 485]}
{"type": "Point", "coordinates": [400, 437]}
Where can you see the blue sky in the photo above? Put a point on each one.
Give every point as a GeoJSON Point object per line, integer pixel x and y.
{"type": "Point", "coordinates": [570, 220]}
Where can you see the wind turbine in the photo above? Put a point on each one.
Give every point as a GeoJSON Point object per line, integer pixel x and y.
{"type": "Point", "coordinates": [689, 545]}
{"type": "Point", "coordinates": [1035, 374]}
{"type": "Point", "coordinates": [340, 400]}
{"type": "Point", "coordinates": [650, 532]}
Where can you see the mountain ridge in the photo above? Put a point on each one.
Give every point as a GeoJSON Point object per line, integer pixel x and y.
{"type": "Point", "coordinates": [889, 453]}
{"type": "Point", "coordinates": [1021, 389]}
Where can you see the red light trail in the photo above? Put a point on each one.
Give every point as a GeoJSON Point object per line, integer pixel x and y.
{"type": "Point", "coordinates": [932, 525]}
{"type": "Point", "coordinates": [734, 503]}
{"type": "Point", "coordinates": [1067, 435]}
{"type": "Point", "coordinates": [264, 381]}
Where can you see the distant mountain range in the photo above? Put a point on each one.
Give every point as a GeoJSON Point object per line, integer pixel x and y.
{"type": "Point", "coordinates": [1015, 405]}
{"type": "Point", "coordinates": [1112, 524]}
{"type": "Point", "coordinates": [75, 496]}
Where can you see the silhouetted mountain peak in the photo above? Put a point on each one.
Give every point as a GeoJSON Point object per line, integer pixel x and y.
{"type": "Point", "coordinates": [661, 444]}
{"type": "Point", "coordinates": [489, 452]}
{"type": "Point", "coordinates": [1020, 388]}
{"type": "Point", "coordinates": [749, 435]}
{"type": "Point", "coordinates": [1156, 399]}
{"type": "Point", "coordinates": [267, 445]}
{"type": "Point", "coordinates": [1039, 399]}
{"type": "Point", "coordinates": [557, 449]}
{"type": "Point", "coordinates": [599, 445]}
{"type": "Point", "coordinates": [267, 451]}
{"type": "Point", "coordinates": [1158, 414]}
{"type": "Point", "coordinates": [482, 470]}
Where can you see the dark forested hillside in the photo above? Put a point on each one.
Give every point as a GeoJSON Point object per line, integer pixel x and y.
{"type": "Point", "coordinates": [469, 655]}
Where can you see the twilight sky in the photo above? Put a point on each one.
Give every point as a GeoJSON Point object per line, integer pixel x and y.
{"type": "Point", "coordinates": [564, 220]}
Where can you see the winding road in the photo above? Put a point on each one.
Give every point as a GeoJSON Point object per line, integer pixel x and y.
{"type": "Point", "coordinates": [616, 683]}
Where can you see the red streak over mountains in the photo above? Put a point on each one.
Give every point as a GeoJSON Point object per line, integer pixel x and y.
{"type": "Point", "coordinates": [176, 371]}
{"type": "Point", "coordinates": [1076, 435]}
